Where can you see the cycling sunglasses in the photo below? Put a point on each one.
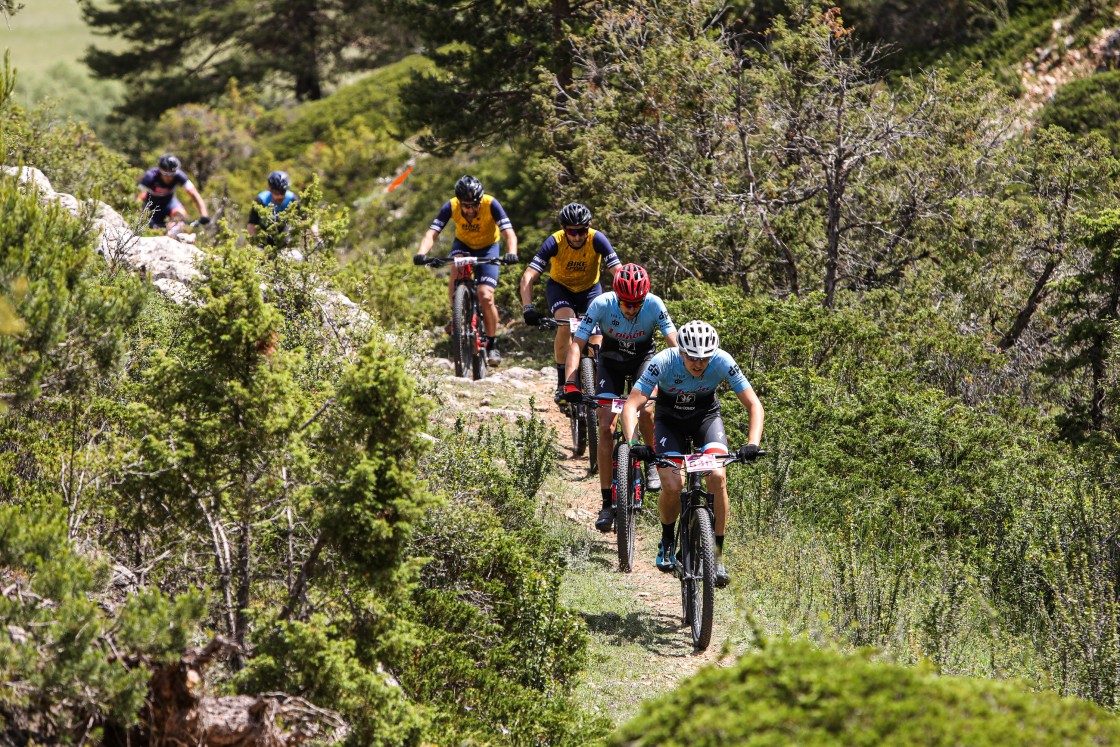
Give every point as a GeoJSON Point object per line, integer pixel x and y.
{"type": "Point", "coordinates": [470, 205]}
{"type": "Point", "coordinates": [575, 231]}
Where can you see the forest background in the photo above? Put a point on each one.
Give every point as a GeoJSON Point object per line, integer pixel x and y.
{"type": "Point", "coordinates": [916, 264]}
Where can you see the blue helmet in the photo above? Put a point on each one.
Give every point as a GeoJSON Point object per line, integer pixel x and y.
{"type": "Point", "coordinates": [168, 162]}
{"type": "Point", "coordinates": [468, 189]}
{"type": "Point", "coordinates": [278, 181]}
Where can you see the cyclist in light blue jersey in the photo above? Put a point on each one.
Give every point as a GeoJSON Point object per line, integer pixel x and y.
{"type": "Point", "coordinates": [686, 379]}
{"type": "Point", "coordinates": [628, 317]}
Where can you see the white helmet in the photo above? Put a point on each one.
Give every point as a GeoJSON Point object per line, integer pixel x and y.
{"type": "Point", "coordinates": [698, 339]}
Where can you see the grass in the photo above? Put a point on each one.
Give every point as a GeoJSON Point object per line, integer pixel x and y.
{"type": "Point", "coordinates": [47, 39]}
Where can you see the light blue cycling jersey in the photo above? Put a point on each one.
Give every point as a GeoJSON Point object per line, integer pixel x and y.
{"type": "Point", "coordinates": [624, 339]}
{"type": "Point", "coordinates": [682, 395]}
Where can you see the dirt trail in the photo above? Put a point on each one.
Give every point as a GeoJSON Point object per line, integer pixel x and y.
{"type": "Point", "coordinates": [634, 618]}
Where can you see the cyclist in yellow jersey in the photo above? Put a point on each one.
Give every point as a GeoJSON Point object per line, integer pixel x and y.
{"type": "Point", "coordinates": [572, 256]}
{"type": "Point", "coordinates": [480, 223]}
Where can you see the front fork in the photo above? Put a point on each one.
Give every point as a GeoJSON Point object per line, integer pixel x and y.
{"type": "Point", "coordinates": [635, 475]}
{"type": "Point", "coordinates": [693, 499]}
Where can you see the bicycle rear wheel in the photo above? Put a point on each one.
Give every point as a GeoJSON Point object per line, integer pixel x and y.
{"type": "Point", "coordinates": [698, 566]}
{"type": "Point", "coordinates": [460, 343]}
{"type": "Point", "coordinates": [591, 414]}
{"type": "Point", "coordinates": [623, 487]}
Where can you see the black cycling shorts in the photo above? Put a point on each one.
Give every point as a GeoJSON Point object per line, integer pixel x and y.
{"type": "Point", "coordinates": [614, 373]}
{"type": "Point", "coordinates": [560, 297]}
{"type": "Point", "coordinates": [705, 430]}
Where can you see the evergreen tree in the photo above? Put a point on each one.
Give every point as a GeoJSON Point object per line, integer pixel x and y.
{"type": "Point", "coordinates": [179, 54]}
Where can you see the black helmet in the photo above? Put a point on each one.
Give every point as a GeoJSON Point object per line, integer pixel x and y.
{"type": "Point", "coordinates": [168, 162]}
{"type": "Point", "coordinates": [575, 214]}
{"type": "Point", "coordinates": [468, 189]}
{"type": "Point", "coordinates": [278, 181]}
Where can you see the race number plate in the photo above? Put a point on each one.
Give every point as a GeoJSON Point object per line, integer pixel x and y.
{"type": "Point", "coordinates": [701, 463]}
{"type": "Point", "coordinates": [463, 261]}
{"type": "Point", "coordinates": [617, 403]}
{"type": "Point", "coordinates": [573, 324]}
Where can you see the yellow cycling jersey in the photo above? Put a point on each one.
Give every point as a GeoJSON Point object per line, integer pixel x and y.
{"type": "Point", "coordinates": [575, 269]}
{"type": "Point", "coordinates": [483, 233]}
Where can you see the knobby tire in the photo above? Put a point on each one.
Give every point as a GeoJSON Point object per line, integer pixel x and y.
{"type": "Point", "coordinates": [478, 347]}
{"type": "Point", "coordinates": [700, 565]}
{"type": "Point", "coordinates": [590, 414]}
{"type": "Point", "coordinates": [460, 342]}
{"type": "Point", "coordinates": [624, 525]}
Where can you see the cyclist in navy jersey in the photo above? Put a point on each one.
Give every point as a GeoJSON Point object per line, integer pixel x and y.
{"type": "Point", "coordinates": [572, 257]}
{"type": "Point", "coordinates": [685, 379]}
{"type": "Point", "coordinates": [480, 224]}
{"type": "Point", "coordinates": [157, 193]}
{"type": "Point", "coordinates": [270, 204]}
{"type": "Point", "coordinates": [628, 317]}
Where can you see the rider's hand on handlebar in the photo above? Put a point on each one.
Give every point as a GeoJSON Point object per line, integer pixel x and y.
{"type": "Point", "coordinates": [204, 220]}
{"type": "Point", "coordinates": [572, 393]}
{"type": "Point", "coordinates": [641, 451]}
{"type": "Point", "coordinates": [747, 452]}
{"type": "Point", "coordinates": [532, 316]}
{"type": "Point", "coordinates": [510, 259]}
{"type": "Point", "coordinates": [419, 260]}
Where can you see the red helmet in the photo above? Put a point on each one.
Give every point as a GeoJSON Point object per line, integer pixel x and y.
{"type": "Point", "coordinates": [631, 284]}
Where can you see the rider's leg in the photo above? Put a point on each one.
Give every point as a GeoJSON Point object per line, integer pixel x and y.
{"type": "Point", "coordinates": [489, 309]}
{"type": "Point", "coordinates": [607, 420]}
{"type": "Point", "coordinates": [645, 424]}
{"type": "Point", "coordinates": [717, 486]}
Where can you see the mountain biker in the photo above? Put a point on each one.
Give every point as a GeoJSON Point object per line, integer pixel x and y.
{"type": "Point", "coordinates": [628, 316]}
{"type": "Point", "coordinates": [480, 222]}
{"type": "Point", "coordinates": [270, 203]}
{"type": "Point", "coordinates": [158, 194]}
{"type": "Point", "coordinates": [572, 256]}
{"type": "Point", "coordinates": [686, 378]}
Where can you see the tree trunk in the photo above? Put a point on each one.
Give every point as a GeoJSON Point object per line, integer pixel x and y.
{"type": "Point", "coordinates": [1023, 319]}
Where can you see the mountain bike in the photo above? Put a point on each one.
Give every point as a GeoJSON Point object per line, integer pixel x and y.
{"type": "Point", "coordinates": [694, 562]}
{"type": "Point", "coordinates": [468, 332]}
{"type": "Point", "coordinates": [581, 415]}
{"type": "Point", "coordinates": [628, 483]}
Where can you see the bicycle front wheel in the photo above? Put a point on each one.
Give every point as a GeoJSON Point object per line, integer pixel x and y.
{"type": "Point", "coordinates": [698, 580]}
{"type": "Point", "coordinates": [478, 341]}
{"type": "Point", "coordinates": [590, 414]}
{"type": "Point", "coordinates": [624, 506]}
{"type": "Point", "coordinates": [460, 342]}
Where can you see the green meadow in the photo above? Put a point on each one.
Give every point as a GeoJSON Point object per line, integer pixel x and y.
{"type": "Point", "coordinates": [46, 39]}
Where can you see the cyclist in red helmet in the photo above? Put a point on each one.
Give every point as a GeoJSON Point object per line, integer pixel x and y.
{"type": "Point", "coordinates": [628, 317]}
{"type": "Point", "coordinates": [572, 256]}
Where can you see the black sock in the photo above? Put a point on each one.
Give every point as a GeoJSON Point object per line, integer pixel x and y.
{"type": "Point", "coordinates": [491, 343]}
{"type": "Point", "coordinates": [606, 497]}
{"type": "Point", "coordinates": [667, 533]}
{"type": "Point", "coordinates": [561, 375]}
{"type": "Point", "coordinates": [719, 542]}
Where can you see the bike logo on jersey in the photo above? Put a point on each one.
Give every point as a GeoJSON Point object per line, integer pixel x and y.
{"type": "Point", "coordinates": [576, 266]}
{"type": "Point", "coordinates": [735, 371]}
{"type": "Point", "coordinates": [686, 400]}
{"type": "Point", "coordinates": [653, 370]}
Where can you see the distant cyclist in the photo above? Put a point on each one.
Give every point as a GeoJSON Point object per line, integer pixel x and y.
{"type": "Point", "coordinates": [572, 256]}
{"type": "Point", "coordinates": [686, 379]}
{"type": "Point", "coordinates": [480, 223]}
{"type": "Point", "coordinates": [270, 204]}
{"type": "Point", "coordinates": [628, 317]}
{"type": "Point", "coordinates": [157, 193]}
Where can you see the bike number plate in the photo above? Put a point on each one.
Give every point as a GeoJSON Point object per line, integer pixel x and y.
{"type": "Point", "coordinates": [617, 403]}
{"type": "Point", "coordinates": [464, 261]}
{"type": "Point", "coordinates": [573, 324]}
{"type": "Point", "coordinates": [701, 463]}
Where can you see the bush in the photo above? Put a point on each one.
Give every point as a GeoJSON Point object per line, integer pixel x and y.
{"type": "Point", "coordinates": [1088, 105]}
{"type": "Point", "coordinates": [794, 693]}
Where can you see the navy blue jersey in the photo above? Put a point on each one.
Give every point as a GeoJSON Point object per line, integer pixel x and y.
{"type": "Point", "coordinates": [160, 192]}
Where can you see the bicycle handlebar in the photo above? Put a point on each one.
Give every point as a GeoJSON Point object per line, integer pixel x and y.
{"type": "Point", "coordinates": [551, 322]}
{"type": "Point", "coordinates": [677, 460]}
{"type": "Point", "coordinates": [440, 261]}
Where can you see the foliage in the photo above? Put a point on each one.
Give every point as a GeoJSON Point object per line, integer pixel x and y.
{"type": "Point", "coordinates": [1088, 105]}
{"type": "Point", "coordinates": [77, 651]}
{"type": "Point", "coordinates": [793, 692]}
{"type": "Point", "coordinates": [300, 47]}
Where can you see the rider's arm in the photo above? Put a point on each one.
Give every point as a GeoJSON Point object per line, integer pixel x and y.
{"type": "Point", "coordinates": [198, 201]}
{"type": "Point", "coordinates": [428, 241]}
{"type": "Point", "coordinates": [527, 279]}
{"type": "Point", "coordinates": [511, 240]}
{"type": "Point", "coordinates": [634, 403]}
{"type": "Point", "coordinates": [757, 414]}
{"type": "Point", "coordinates": [671, 339]}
